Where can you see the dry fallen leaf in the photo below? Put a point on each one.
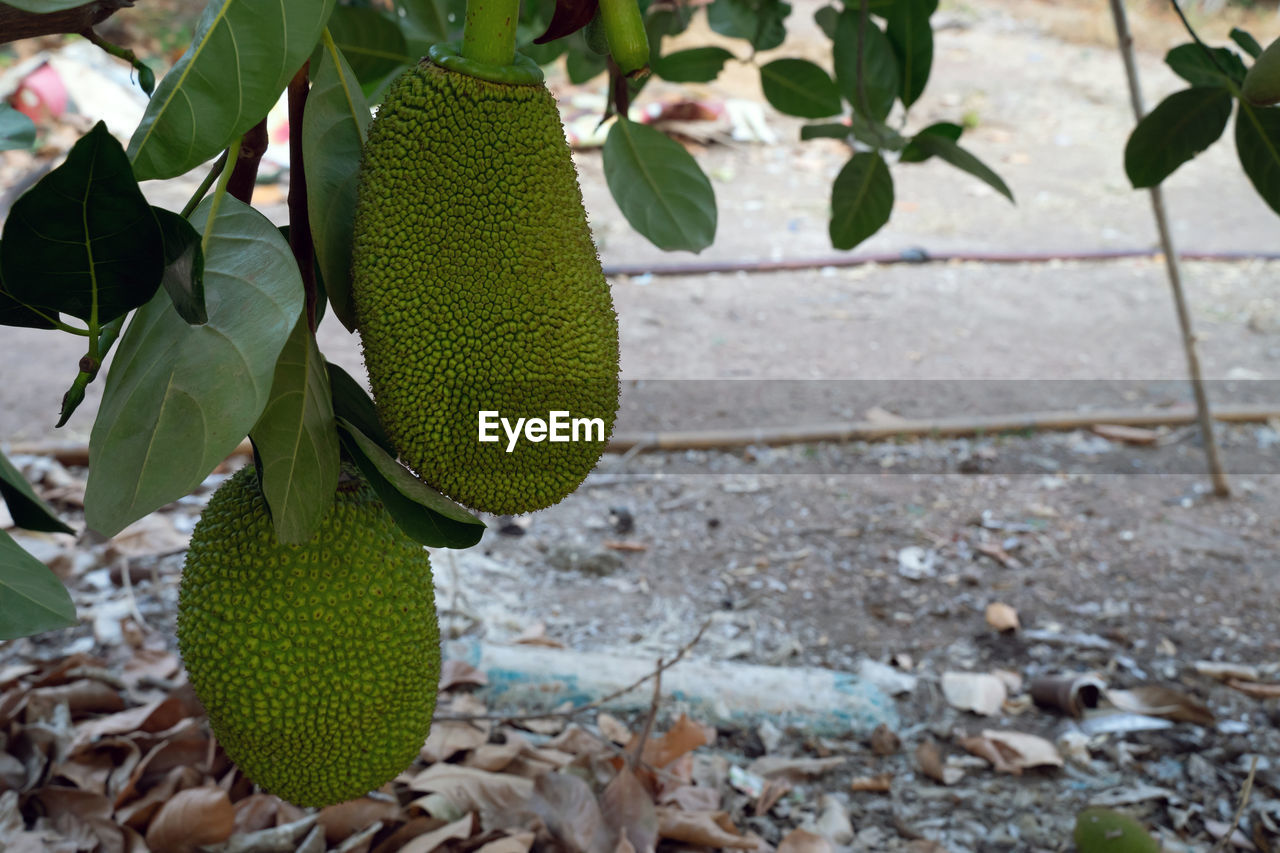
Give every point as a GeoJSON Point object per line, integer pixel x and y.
{"type": "Point", "coordinates": [693, 798]}
{"type": "Point", "coordinates": [1002, 617]}
{"type": "Point", "coordinates": [929, 757]}
{"type": "Point", "coordinates": [457, 673]}
{"type": "Point", "coordinates": [569, 809]}
{"type": "Point", "coordinates": [803, 841]}
{"type": "Point", "coordinates": [885, 741]}
{"type": "Point", "coordinates": [470, 789]}
{"type": "Point", "coordinates": [82, 697]}
{"type": "Point", "coordinates": [1257, 691]}
{"type": "Point", "coordinates": [795, 769]}
{"type": "Point", "coordinates": [1166, 702]}
{"type": "Point", "coordinates": [713, 829]}
{"type": "Point", "coordinates": [536, 635]}
{"type": "Point", "coordinates": [881, 783]}
{"type": "Point", "coordinates": [449, 737]}
{"type": "Point", "coordinates": [612, 728]}
{"type": "Point", "coordinates": [460, 829]}
{"type": "Point", "coordinates": [1126, 434]}
{"type": "Point", "coordinates": [518, 842]}
{"type": "Point", "coordinates": [981, 693]}
{"type": "Point", "coordinates": [496, 756]}
{"type": "Point", "coordinates": [627, 808]}
{"type": "Point", "coordinates": [343, 820]}
{"type": "Point", "coordinates": [685, 735]}
{"type": "Point", "coordinates": [1221, 670]}
{"type": "Point", "coordinates": [192, 818]}
{"type": "Point", "coordinates": [1012, 752]}
{"type": "Point", "coordinates": [773, 791]}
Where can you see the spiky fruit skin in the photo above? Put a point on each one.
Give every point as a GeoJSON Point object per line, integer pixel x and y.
{"type": "Point", "coordinates": [318, 664]}
{"type": "Point", "coordinates": [477, 288]}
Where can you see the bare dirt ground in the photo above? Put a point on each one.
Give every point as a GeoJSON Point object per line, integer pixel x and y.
{"type": "Point", "coordinates": [1114, 557]}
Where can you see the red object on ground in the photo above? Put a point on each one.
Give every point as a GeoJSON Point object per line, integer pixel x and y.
{"type": "Point", "coordinates": [41, 96]}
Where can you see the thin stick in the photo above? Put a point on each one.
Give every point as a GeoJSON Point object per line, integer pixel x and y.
{"type": "Point", "coordinates": [1244, 801]}
{"type": "Point", "coordinates": [595, 703]}
{"type": "Point", "coordinates": [637, 756]}
{"type": "Point", "coordinates": [1221, 487]}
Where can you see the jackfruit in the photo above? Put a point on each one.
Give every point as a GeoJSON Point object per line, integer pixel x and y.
{"type": "Point", "coordinates": [318, 664]}
{"type": "Point", "coordinates": [477, 287]}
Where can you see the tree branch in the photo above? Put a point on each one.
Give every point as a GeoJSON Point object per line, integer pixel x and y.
{"type": "Point", "coordinates": [17, 24]}
{"type": "Point", "coordinates": [245, 174]}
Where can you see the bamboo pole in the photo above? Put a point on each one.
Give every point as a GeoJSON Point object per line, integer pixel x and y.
{"type": "Point", "coordinates": [1221, 487]}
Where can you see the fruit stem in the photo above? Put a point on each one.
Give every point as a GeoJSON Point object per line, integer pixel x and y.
{"type": "Point", "coordinates": [489, 32]}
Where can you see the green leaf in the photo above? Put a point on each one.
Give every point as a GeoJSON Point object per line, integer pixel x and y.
{"type": "Point", "coordinates": [911, 36]}
{"type": "Point", "coordinates": [15, 313]}
{"type": "Point", "coordinates": [91, 247]}
{"type": "Point", "coordinates": [913, 153]}
{"type": "Point", "coordinates": [797, 87]}
{"type": "Point", "coordinates": [696, 65]}
{"type": "Point", "coordinates": [659, 187]}
{"type": "Point", "coordinates": [16, 130]}
{"type": "Point", "coordinates": [429, 21]}
{"type": "Point", "coordinates": [371, 42]}
{"type": "Point", "coordinates": [1247, 43]}
{"type": "Point", "coordinates": [26, 507]}
{"type": "Point", "coordinates": [1258, 146]}
{"type": "Point", "coordinates": [44, 7]}
{"type": "Point", "coordinates": [183, 266]}
{"type": "Point", "coordinates": [1183, 125]}
{"type": "Point", "coordinates": [880, 66]}
{"type": "Point", "coordinates": [876, 134]}
{"type": "Point", "coordinates": [427, 516]}
{"type": "Point", "coordinates": [1262, 83]}
{"type": "Point", "coordinates": [583, 65]}
{"type": "Point", "coordinates": [861, 200]}
{"type": "Point", "coordinates": [179, 398]}
{"type": "Point", "coordinates": [1101, 830]}
{"type": "Point", "coordinates": [827, 18]}
{"type": "Point", "coordinates": [353, 404]}
{"type": "Point", "coordinates": [939, 146]}
{"type": "Point", "coordinates": [760, 22]}
{"type": "Point", "coordinates": [32, 599]}
{"type": "Point", "coordinates": [297, 441]}
{"type": "Point", "coordinates": [333, 130]}
{"type": "Point", "coordinates": [832, 130]}
{"type": "Point", "coordinates": [242, 56]}
{"type": "Point", "coordinates": [1191, 63]}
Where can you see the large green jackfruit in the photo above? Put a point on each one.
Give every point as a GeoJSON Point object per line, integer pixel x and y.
{"type": "Point", "coordinates": [318, 664]}
{"type": "Point", "coordinates": [477, 288]}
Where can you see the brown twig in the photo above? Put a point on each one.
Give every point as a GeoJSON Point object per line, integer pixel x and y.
{"type": "Point", "coordinates": [1245, 791]}
{"type": "Point", "coordinates": [587, 706]}
{"type": "Point", "coordinates": [245, 174]}
{"type": "Point", "coordinates": [637, 756]}
{"type": "Point", "coordinates": [299, 222]}
{"type": "Point", "coordinates": [16, 24]}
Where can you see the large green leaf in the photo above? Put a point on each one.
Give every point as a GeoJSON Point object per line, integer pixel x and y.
{"type": "Point", "coordinates": [429, 21]}
{"type": "Point", "coordinates": [583, 65]}
{"type": "Point", "coordinates": [183, 266]}
{"type": "Point", "coordinates": [696, 65]}
{"type": "Point", "coordinates": [370, 41]}
{"type": "Point", "coordinates": [797, 87]}
{"type": "Point", "coordinates": [938, 145]}
{"type": "Point", "coordinates": [659, 187]}
{"type": "Point", "coordinates": [760, 22]}
{"type": "Point", "coordinates": [1258, 146]}
{"type": "Point", "coordinates": [32, 599]}
{"type": "Point", "coordinates": [90, 245]}
{"type": "Point", "coordinates": [1183, 125]}
{"type": "Point", "coordinates": [1262, 83]}
{"type": "Point", "coordinates": [911, 35]}
{"type": "Point", "coordinates": [26, 507]}
{"type": "Point", "coordinates": [353, 404]}
{"type": "Point", "coordinates": [880, 66]}
{"type": "Point", "coordinates": [333, 129]}
{"type": "Point", "coordinates": [1191, 63]}
{"type": "Point", "coordinates": [179, 398]}
{"type": "Point", "coordinates": [243, 55]}
{"type": "Point", "coordinates": [16, 130]}
{"type": "Point", "coordinates": [14, 313]}
{"type": "Point", "coordinates": [297, 442]}
{"type": "Point", "coordinates": [861, 200]}
{"type": "Point", "coordinates": [44, 7]}
{"type": "Point", "coordinates": [424, 514]}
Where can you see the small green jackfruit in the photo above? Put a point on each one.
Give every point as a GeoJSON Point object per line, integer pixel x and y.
{"type": "Point", "coordinates": [477, 289]}
{"type": "Point", "coordinates": [318, 664]}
